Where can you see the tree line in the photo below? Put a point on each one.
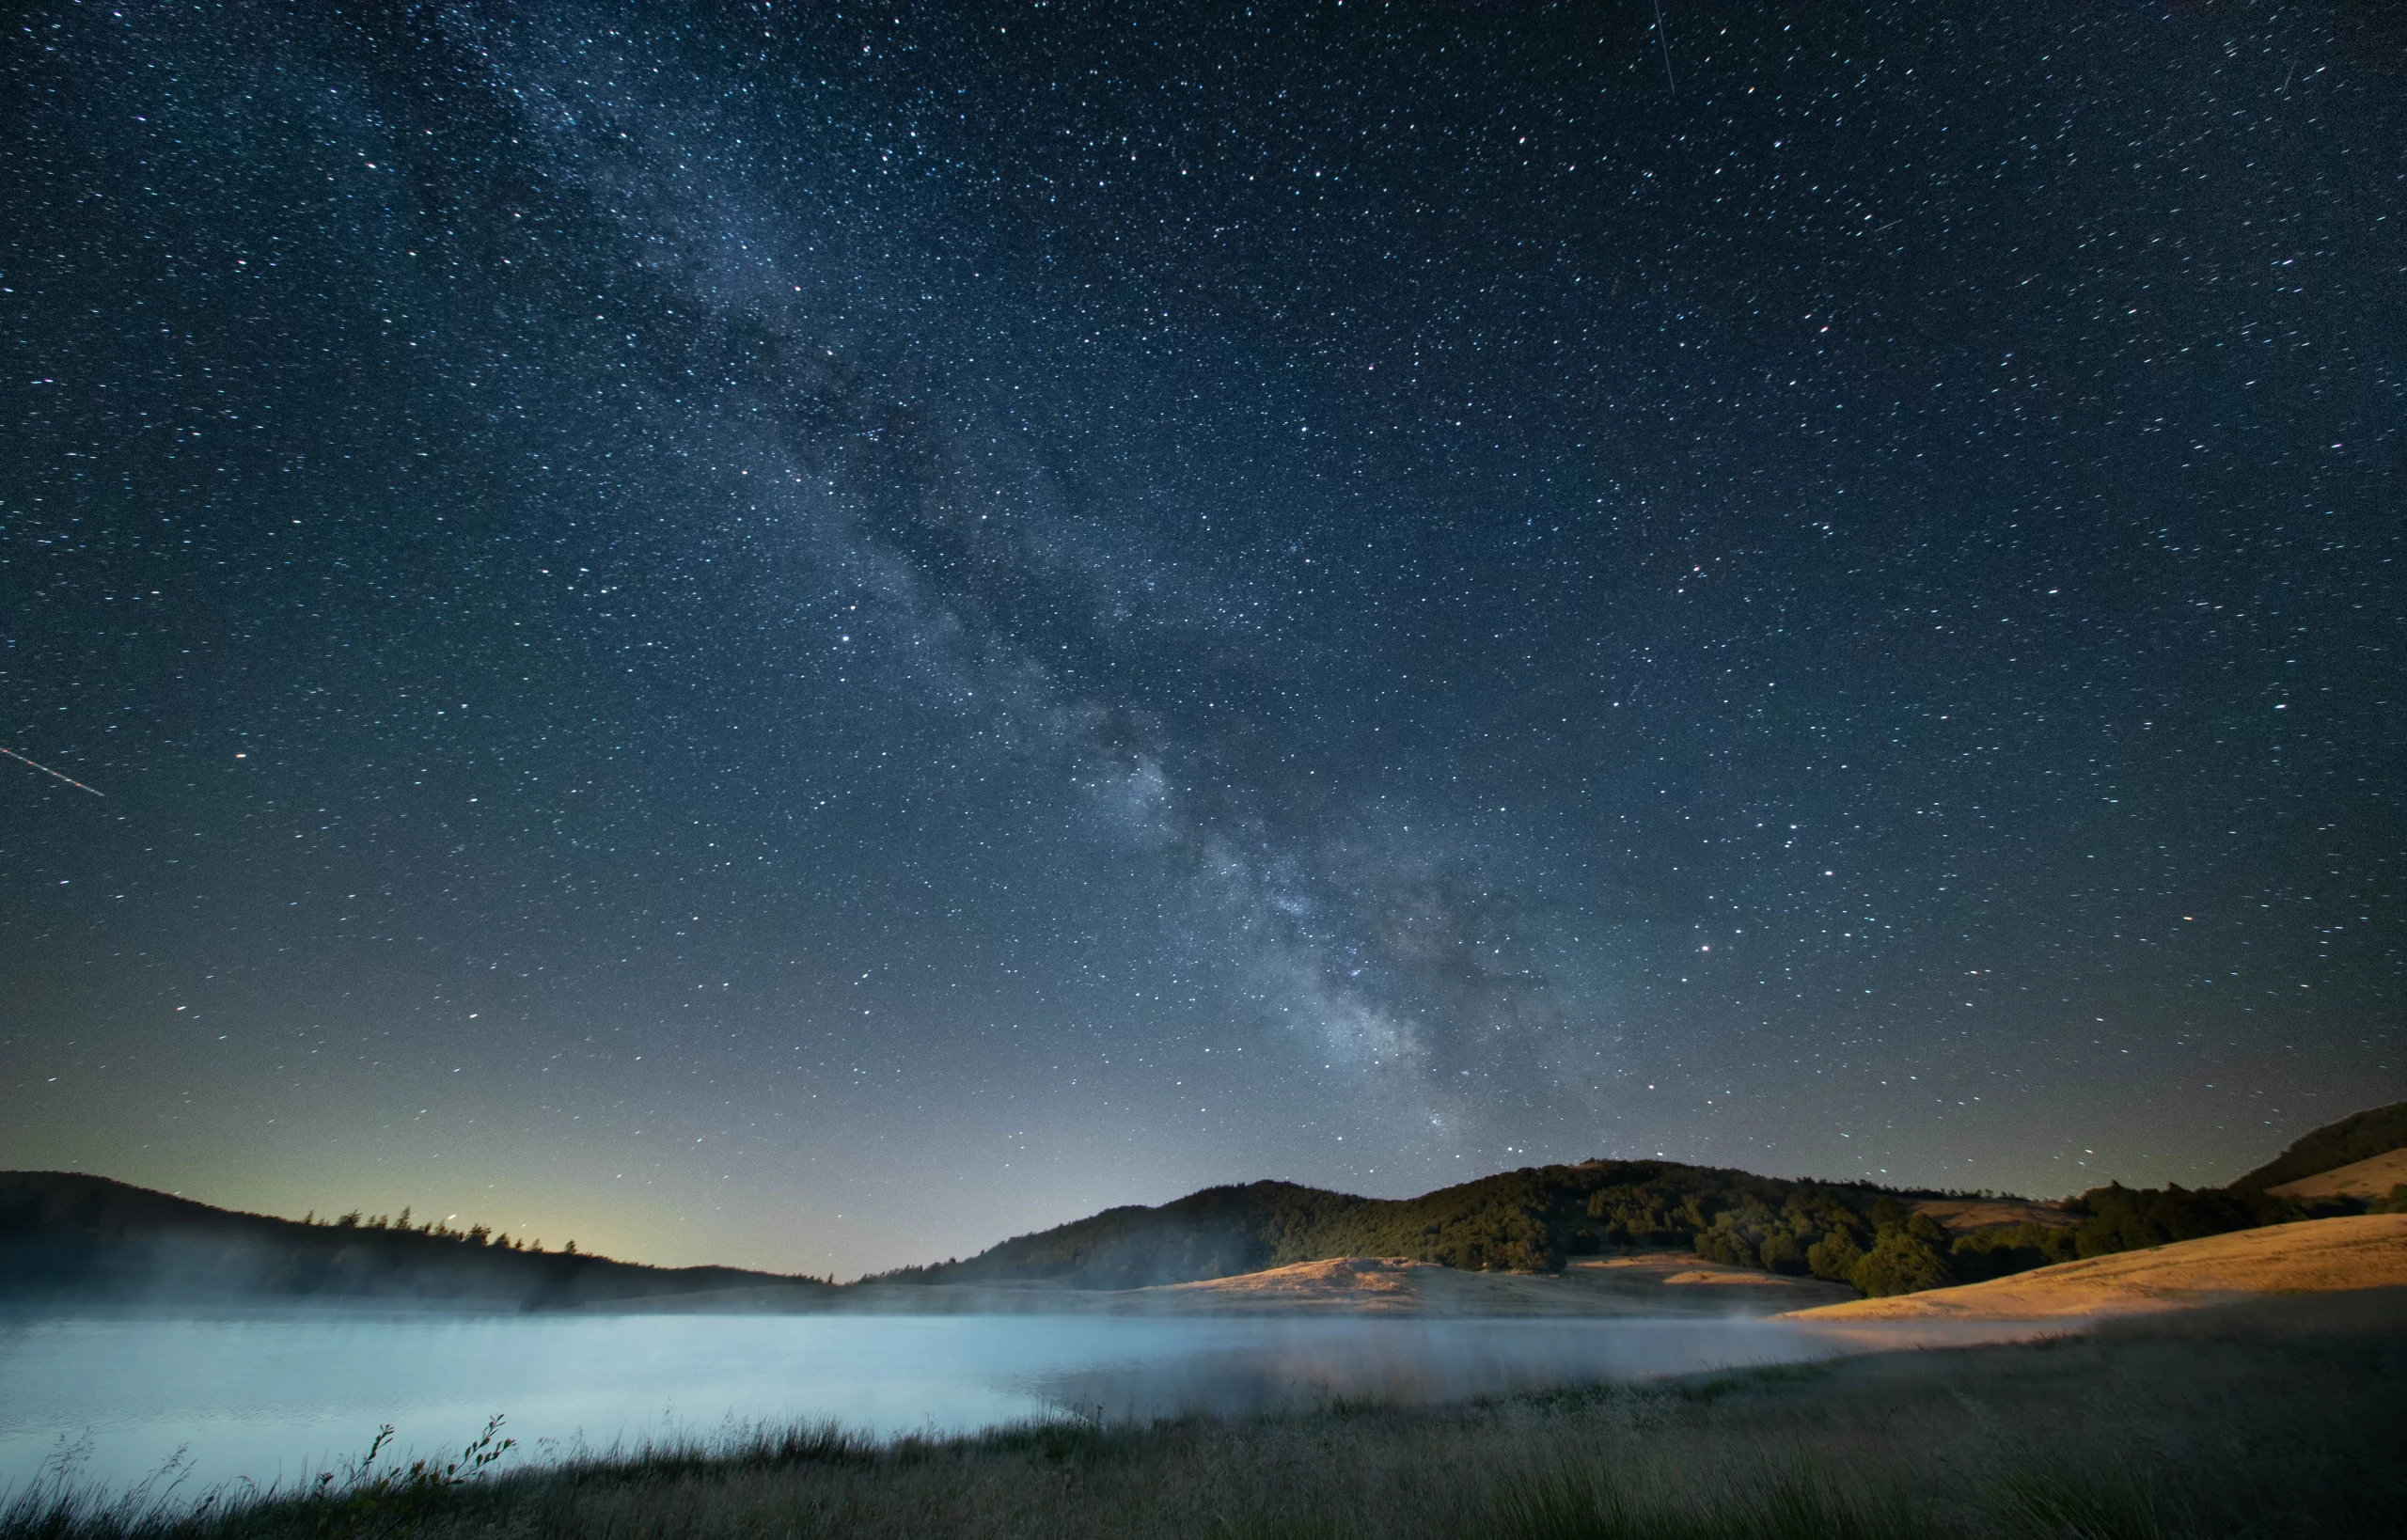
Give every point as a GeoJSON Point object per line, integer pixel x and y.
{"type": "Point", "coordinates": [475, 1235]}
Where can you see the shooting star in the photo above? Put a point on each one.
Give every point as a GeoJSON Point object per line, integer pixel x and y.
{"type": "Point", "coordinates": [1665, 39]}
{"type": "Point", "coordinates": [48, 771]}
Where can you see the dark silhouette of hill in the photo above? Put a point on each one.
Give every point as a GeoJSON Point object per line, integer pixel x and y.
{"type": "Point", "coordinates": [86, 1239]}
{"type": "Point", "coordinates": [2360, 1135]}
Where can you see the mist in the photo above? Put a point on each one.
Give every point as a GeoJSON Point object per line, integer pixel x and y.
{"type": "Point", "coordinates": [272, 1397]}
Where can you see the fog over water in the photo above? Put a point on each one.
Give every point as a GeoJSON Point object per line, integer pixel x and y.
{"type": "Point", "coordinates": [270, 1397]}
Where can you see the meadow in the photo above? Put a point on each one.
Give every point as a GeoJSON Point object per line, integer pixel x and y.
{"type": "Point", "coordinates": [2273, 1417]}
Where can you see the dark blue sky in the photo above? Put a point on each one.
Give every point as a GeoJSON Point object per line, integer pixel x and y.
{"type": "Point", "coordinates": [811, 636]}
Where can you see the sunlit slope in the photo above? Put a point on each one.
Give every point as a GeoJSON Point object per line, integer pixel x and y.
{"type": "Point", "coordinates": [2313, 1256]}
{"type": "Point", "coordinates": [2360, 1135]}
{"type": "Point", "coordinates": [1647, 1285]}
{"type": "Point", "coordinates": [2372, 1178]}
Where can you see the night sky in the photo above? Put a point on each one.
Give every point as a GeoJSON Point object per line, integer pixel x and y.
{"type": "Point", "coordinates": [811, 637]}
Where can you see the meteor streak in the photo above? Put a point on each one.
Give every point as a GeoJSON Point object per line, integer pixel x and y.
{"type": "Point", "coordinates": [48, 771]}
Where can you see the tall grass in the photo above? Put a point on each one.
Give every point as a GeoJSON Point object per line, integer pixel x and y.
{"type": "Point", "coordinates": [2286, 1418]}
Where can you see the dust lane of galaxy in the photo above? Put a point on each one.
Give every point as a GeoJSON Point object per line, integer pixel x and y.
{"type": "Point", "coordinates": [809, 636]}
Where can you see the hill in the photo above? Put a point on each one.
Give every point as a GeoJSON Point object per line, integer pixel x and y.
{"type": "Point", "coordinates": [1879, 1241]}
{"type": "Point", "coordinates": [2313, 1256]}
{"type": "Point", "coordinates": [1532, 1219]}
{"type": "Point", "coordinates": [2360, 1135]}
{"type": "Point", "coordinates": [66, 1236]}
{"type": "Point", "coordinates": [2378, 1178]}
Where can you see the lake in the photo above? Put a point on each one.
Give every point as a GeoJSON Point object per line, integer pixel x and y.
{"type": "Point", "coordinates": [270, 1397]}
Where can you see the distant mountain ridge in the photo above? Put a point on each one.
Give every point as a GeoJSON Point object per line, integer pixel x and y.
{"type": "Point", "coordinates": [68, 1236]}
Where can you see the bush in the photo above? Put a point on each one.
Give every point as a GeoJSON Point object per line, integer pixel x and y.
{"type": "Point", "coordinates": [1834, 1257]}
{"type": "Point", "coordinates": [1900, 1262]}
{"type": "Point", "coordinates": [2123, 1218]}
{"type": "Point", "coordinates": [2010, 1249]}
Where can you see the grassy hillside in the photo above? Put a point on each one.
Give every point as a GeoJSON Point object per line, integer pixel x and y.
{"type": "Point", "coordinates": [2360, 1135]}
{"type": "Point", "coordinates": [89, 1239]}
{"type": "Point", "coordinates": [2313, 1256]}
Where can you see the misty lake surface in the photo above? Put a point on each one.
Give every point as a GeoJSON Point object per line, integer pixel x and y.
{"type": "Point", "coordinates": [272, 1397]}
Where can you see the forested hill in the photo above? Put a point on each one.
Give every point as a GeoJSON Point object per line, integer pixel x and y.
{"type": "Point", "coordinates": [1538, 1218]}
{"type": "Point", "coordinates": [66, 1236]}
{"type": "Point", "coordinates": [2360, 1135]}
{"type": "Point", "coordinates": [1532, 1218]}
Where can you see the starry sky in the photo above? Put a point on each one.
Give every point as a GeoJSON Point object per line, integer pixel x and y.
{"type": "Point", "coordinates": [813, 635]}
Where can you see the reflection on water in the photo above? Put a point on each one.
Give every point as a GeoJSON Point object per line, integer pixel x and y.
{"type": "Point", "coordinates": [270, 1397]}
{"type": "Point", "coordinates": [1263, 1364]}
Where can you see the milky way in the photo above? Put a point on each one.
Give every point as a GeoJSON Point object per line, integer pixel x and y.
{"type": "Point", "coordinates": [812, 637]}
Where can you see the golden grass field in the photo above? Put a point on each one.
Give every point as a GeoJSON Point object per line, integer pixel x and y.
{"type": "Point", "coordinates": [1648, 1284]}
